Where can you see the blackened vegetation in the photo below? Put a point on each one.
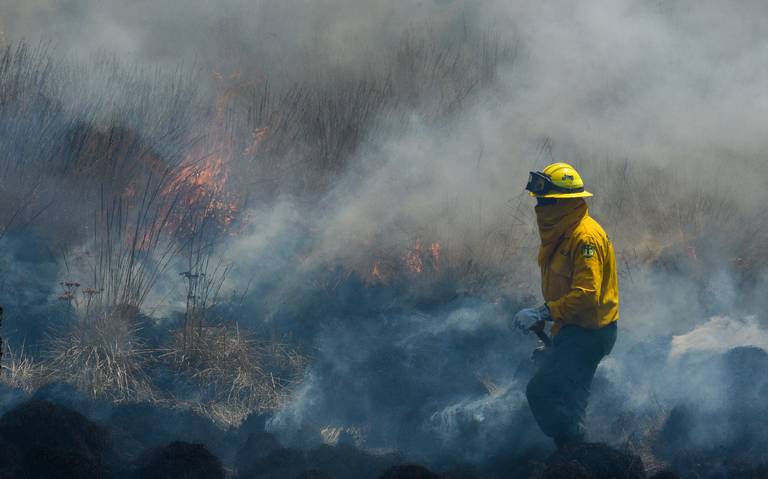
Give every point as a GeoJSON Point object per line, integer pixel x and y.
{"type": "Point", "coordinates": [41, 439]}
{"type": "Point", "coordinates": [179, 460]}
{"type": "Point", "coordinates": [257, 446]}
{"type": "Point", "coordinates": [731, 439]}
{"type": "Point", "coordinates": [314, 474]}
{"type": "Point", "coordinates": [138, 426]}
{"type": "Point", "coordinates": [340, 462]}
{"type": "Point", "coordinates": [46, 440]}
{"type": "Point", "coordinates": [592, 461]}
{"type": "Point", "coordinates": [408, 472]}
{"type": "Point", "coordinates": [136, 440]}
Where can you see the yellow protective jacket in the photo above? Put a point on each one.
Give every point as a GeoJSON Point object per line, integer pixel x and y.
{"type": "Point", "coordinates": [578, 266]}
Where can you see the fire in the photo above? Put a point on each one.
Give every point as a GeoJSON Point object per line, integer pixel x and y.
{"type": "Point", "coordinates": [205, 183]}
{"type": "Point", "coordinates": [417, 256]}
{"type": "Point", "coordinates": [421, 258]}
{"type": "Point", "coordinates": [413, 259]}
{"type": "Point", "coordinates": [211, 175]}
{"type": "Point", "coordinates": [201, 183]}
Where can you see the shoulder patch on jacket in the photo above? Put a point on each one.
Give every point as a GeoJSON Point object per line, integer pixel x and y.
{"type": "Point", "coordinates": [588, 251]}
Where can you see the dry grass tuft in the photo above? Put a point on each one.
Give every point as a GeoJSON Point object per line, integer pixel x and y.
{"type": "Point", "coordinates": [238, 374]}
{"type": "Point", "coordinates": [21, 371]}
{"type": "Point", "coordinates": [103, 356]}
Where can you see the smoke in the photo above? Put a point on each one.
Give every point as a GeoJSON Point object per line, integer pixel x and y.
{"type": "Point", "coordinates": [648, 81]}
{"type": "Point", "coordinates": [659, 104]}
{"type": "Point", "coordinates": [720, 335]}
{"type": "Point", "coordinates": [285, 40]}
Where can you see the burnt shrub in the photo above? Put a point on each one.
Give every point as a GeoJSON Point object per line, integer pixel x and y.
{"type": "Point", "coordinates": [179, 460]}
{"type": "Point", "coordinates": [745, 374]}
{"type": "Point", "coordinates": [709, 439]}
{"type": "Point", "coordinates": [675, 434]}
{"type": "Point", "coordinates": [467, 471]}
{"type": "Point", "coordinates": [53, 441]}
{"type": "Point", "coordinates": [592, 461]}
{"type": "Point", "coordinates": [349, 462]}
{"type": "Point", "coordinates": [10, 459]}
{"type": "Point", "coordinates": [410, 471]}
{"type": "Point", "coordinates": [746, 385]}
{"type": "Point", "coordinates": [46, 462]}
{"type": "Point", "coordinates": [256, 447]}
{"type": "Point", "coordinates": [665, 475]}
{"type": "Point", "coordinates": [40, 424]}
{"type": "Point", "coordinates": [279, 464]}
{"type": "Point", "coordinates": [339, 462]}
{"type": "Point", "coordinates": [137, 427]}
{"type": "Point", "coordinates": [314, 474]}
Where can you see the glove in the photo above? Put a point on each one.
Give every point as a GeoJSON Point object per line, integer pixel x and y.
{"type": "Point", "coordinates": [527, 318]}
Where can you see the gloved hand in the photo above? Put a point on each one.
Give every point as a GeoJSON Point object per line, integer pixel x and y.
{"type": "Point", "coordinates": [527, 318]}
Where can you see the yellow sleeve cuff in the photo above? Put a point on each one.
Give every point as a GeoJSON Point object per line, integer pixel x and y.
{"type": "Point", "coordinates": [554, 310]}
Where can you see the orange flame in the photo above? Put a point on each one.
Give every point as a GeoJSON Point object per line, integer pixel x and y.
{"type": "Point", "coordinates": [413, 259]}
{"type": "Point", "coordinates": [205, 183]}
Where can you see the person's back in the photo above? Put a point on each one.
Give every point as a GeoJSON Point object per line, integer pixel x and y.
{"type": "Point", "coordinates": [579, 283]}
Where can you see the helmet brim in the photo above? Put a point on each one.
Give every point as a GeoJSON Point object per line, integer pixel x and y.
{"type": "Point", "coordinates": [554, 194]}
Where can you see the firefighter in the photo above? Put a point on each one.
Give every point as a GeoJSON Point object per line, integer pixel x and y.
{"type": "Point", "coordinates": [580, 289]}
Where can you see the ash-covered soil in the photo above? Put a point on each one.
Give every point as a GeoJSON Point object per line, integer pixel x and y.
{"type": "Point", "coordinates": [42, 438]}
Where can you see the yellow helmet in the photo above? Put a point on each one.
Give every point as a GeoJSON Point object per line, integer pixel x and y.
{"type": "Point", "coordinates": [558, 180]}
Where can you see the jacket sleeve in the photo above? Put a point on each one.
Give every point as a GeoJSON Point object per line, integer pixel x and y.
{"type": "Point", "coordinates": [583, 297]}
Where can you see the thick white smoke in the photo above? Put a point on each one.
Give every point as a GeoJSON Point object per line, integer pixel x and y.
{"type": "Point", "coordinates": [720, 334]}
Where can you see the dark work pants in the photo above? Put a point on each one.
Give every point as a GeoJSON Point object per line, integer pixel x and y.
{"type": "Point", "coordinates": [559, 391]}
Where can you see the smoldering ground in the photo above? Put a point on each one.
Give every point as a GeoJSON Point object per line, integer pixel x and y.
{"type": "Point", "coordinates": [660, 105]}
